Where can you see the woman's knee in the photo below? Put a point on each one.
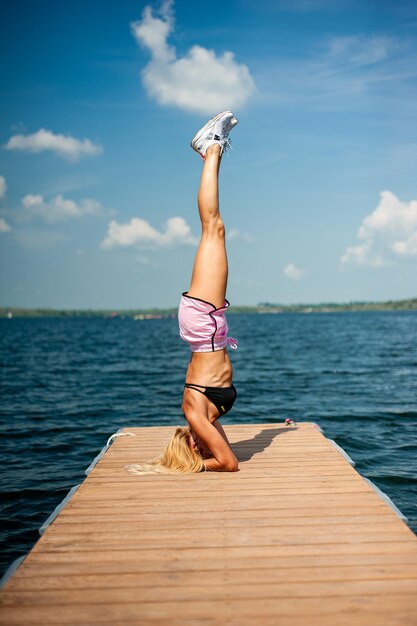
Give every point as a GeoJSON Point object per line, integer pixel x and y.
{"type": "Point", "coordinates": [214, 227]}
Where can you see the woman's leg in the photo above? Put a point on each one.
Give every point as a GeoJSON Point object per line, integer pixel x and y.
{"type": "Point", "coordinates": [209, 278]}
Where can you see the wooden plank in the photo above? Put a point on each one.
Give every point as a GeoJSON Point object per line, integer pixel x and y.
{"type": "Point", "coordinates": [376, 508]}
{"type": "Point", "coordinates": [308, 610]}
{"type": "Point", "coordinates": [228, 503]}
{"type": "Point", "coordinates": [212, 592]}
{"type": "Point", "coordinates": [295, 535]}
{"type": "Point", "coordinates": [44, 553]}
{"type": "Point", "coordinates": [299, 488]}
{"type": "Point", "coordinates": [173, 565]}
{"type": "Point", "coordinates": [77, 524]}
{"type": "Point", "coordinates": [266, 575]}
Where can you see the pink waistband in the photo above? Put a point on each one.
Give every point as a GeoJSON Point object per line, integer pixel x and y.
{"type": "Point", "coordinates": [207, 346]}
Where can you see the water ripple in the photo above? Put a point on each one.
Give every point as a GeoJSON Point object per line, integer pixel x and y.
{"type": "Point", "coordinates": [67, 384]}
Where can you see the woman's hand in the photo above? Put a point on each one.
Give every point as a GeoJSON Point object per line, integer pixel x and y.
{"type": "Point", "coordinates": [211, 444]}
{"type": "Point", "coordinates": [199, 445]}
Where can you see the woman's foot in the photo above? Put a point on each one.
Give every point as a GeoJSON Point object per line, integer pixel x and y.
{"type": "Point", "coordinates": [216, 131]}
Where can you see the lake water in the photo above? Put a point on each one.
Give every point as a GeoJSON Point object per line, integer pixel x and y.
{"type": "Point", "coordinates": [69, 383]}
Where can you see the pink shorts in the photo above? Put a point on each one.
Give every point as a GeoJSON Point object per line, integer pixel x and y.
{"type": "Point", "coordinates": [202, 325]}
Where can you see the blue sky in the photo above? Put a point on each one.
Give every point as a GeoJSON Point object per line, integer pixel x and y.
{"type": "Point", "coordinates": [98, 183]}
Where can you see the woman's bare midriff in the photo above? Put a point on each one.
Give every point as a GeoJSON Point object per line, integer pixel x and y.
{"type": "Point", "coordinates": [210, 369]}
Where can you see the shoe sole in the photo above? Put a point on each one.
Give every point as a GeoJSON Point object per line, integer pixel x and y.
{"type": "Point", "coordinates": [206, 127]}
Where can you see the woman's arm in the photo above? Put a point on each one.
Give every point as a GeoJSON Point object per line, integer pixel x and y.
{"type": "Point", "coordinates": [219, 427]}
{"type": "Point", "coordinates": [223, 458]}
{"type": "Point", "coordinates": [200, 445]}
{"type": "Point", "coordinates": [212, 465]}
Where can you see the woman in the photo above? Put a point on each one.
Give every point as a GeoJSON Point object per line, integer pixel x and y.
{"type": "Point", "coordinates": [208, 391]}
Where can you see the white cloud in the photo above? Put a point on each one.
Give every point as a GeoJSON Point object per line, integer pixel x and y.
{"type": "Point", "coordinates": [343, 72]}
{"type": "Point", "coordinates": [293, 272]}
{"type": "Point", "coordinates": [201, 81]}
{"type": "Point", "coordinates": [3, 187]}
{"type": "Point", "coordinates": [59, 208]}
{"type": "Point", "coordinates": [362, 255]}
{"type": "Point", "coordinates": [38, 239]}
{"type": "Point", "coordinates": [144, 262]}
{"type": "Point", "coordinates": [63, 145]}
{"type": "Point", "coordinates": [387, 234]}
{"type": "Point", "coordinates": [407, 247]}
{"type": "Point", "coordinates": [139, 231]}
{"type": "Point", "coordinates": [4, 226]}
{"type": "Point", "coordinates": [359, 51]}
{"type": "Point", "coordinates": [235, 233]}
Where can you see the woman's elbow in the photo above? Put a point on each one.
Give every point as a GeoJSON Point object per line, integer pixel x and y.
{"type": "Point", "coordinates": [231, 465]}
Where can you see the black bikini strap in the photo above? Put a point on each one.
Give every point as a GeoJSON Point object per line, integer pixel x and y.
{"type": "Point", "coordinates": [195, 387]}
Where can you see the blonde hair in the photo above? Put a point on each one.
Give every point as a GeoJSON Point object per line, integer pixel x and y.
{"type": "Point", "coordinates": [178, 456]}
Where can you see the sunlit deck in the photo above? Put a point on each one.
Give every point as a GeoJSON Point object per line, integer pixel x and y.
{"type": "Point", "coordinates": [296, 537]}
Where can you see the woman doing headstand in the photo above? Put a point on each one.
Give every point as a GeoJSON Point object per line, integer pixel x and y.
{"type": "Point", "coordinates": [208, 391]}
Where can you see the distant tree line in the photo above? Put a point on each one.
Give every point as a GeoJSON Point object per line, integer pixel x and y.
{"type": "Point", "coordinates": [262, 307]}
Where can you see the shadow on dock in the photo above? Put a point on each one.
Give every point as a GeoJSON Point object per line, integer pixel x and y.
{"type": "Point", "coordinates": [247, 448]}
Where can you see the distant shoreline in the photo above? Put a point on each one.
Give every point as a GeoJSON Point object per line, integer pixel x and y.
{"type": "Point", "coordinates": [261, 308]}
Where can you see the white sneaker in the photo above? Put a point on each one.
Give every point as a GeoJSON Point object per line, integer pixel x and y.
{"type": "Point", "coordinates": [215, 131]}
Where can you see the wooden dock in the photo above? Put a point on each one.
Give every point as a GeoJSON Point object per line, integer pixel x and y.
{"type": "Point", "coordinates": [295, 538]}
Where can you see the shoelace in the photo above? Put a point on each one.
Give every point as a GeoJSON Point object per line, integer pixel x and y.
{"type": "Point", "coordinates": [227, 145]}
